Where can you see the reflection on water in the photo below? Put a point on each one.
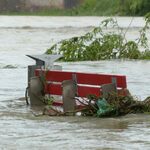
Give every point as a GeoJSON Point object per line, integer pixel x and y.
{"type": "Point", "coordinates": [20, 129]}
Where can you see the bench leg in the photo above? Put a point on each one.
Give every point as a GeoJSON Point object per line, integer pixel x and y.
{"type": "Point", "coordinates": [109, 88]}
{"type": "Point", "coordinates": [35, 92]}
{"type": "Point", "coordinates": [68, 94]}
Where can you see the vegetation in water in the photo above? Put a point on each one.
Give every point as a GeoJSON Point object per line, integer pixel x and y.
{"type": "Point", "coordinates": [116, 105]}
{"type": "Point", "coordinates": [112, 106]}
{"type": "Point", "coordinates": [102, 44]}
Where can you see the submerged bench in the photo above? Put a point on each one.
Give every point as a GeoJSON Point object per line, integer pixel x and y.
{"type": "Point", "coordinates": [81, 84]}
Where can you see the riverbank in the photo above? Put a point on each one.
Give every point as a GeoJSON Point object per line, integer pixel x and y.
{"type": "Point", "coordinates": [88, 8]}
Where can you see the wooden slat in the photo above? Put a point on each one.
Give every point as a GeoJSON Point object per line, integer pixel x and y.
{"type": "Point", "coordinates": [83, 91]}
{"type": "Point", "coordinates": [99, 79]}
{"type": "Point", "coordinates": [84, 78]}
{"type": "Point", "coordinates": [54, 89]}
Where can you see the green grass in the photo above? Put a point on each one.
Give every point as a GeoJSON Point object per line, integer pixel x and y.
{"type": "Point", "coordinates": [46, 12]}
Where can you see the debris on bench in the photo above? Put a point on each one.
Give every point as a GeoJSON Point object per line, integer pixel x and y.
{"type": "Point", "coordinates": [113, 106]}
{"type": "Point", "coordinates": [116, 105]}
{"type": "Point", "coordinates": [50, 111]}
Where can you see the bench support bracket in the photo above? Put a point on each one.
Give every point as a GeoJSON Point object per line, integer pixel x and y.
{"type": "Point", "coordinates": [68, 94]}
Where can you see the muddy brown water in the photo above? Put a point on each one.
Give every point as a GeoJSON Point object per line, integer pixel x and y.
{"type": "Point", "coordinates": [20, 129]}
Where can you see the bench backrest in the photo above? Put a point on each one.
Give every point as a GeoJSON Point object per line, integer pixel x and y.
{"type": "Point", "coordinates": [87, 83]}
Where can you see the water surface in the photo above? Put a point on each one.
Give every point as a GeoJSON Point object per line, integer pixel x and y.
{"type": "Point", "coordinates": [20, 129]}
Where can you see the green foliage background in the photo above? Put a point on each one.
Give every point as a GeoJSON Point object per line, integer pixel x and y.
{"type": "Point", "coordinates": [135, 7]}
{"type": "Point", "coordinates": [113, 7]}
{"type": "Point", "coordinates": [94, 8]}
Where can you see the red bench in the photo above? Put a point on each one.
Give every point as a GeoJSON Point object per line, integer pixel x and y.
{"type": "Point", "coordinates": [87, 83]}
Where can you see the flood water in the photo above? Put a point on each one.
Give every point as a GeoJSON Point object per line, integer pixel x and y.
{"type": "Point", "coordinates": [20, 129]}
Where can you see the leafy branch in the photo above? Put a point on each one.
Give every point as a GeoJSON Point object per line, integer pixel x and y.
{"type": "Point", "coordinates": [101, 44]}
